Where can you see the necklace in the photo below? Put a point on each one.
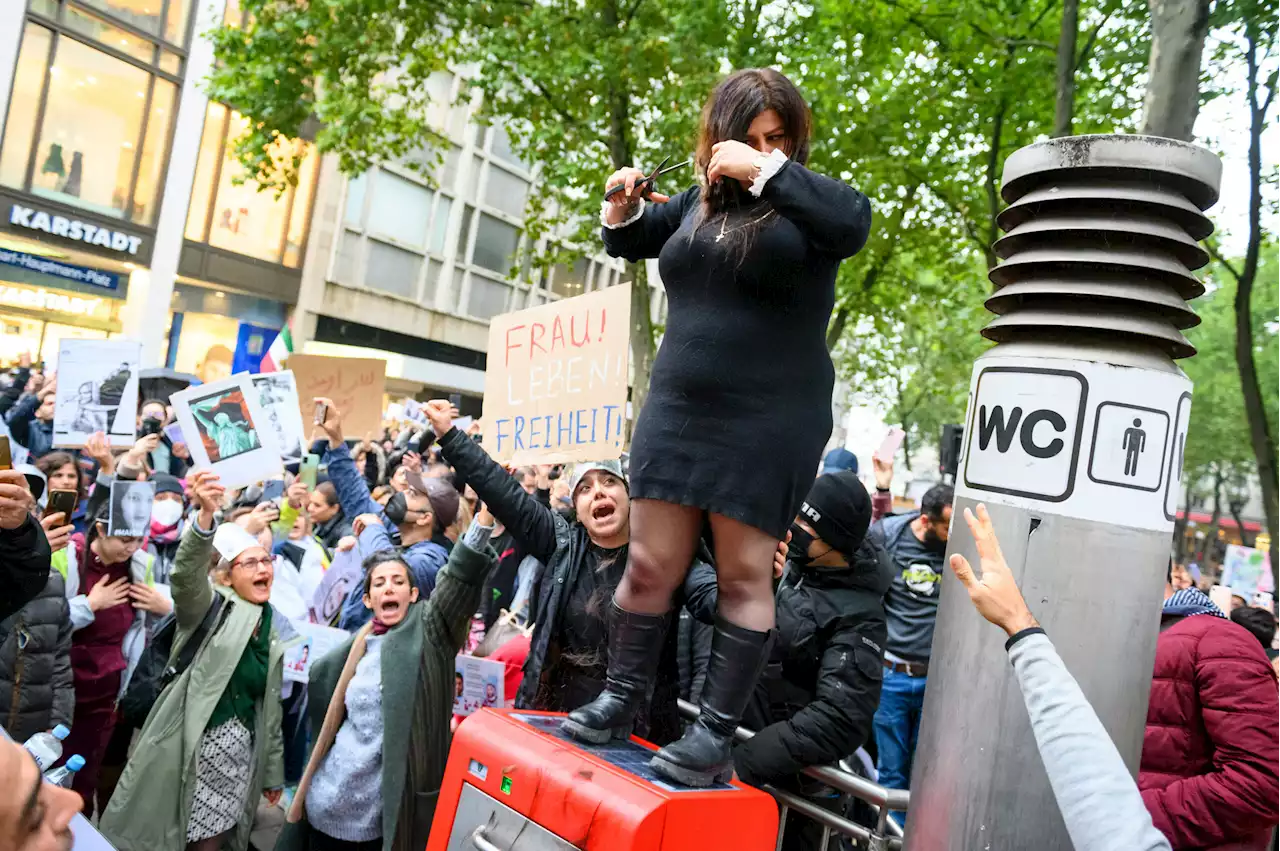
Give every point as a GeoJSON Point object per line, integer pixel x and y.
{"type": "Point", "coordinates": [720, 236]}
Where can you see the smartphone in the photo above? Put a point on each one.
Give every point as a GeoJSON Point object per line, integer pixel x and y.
{"type": "Point", "coordinates": [6, 459]}
{"type": "Point", "coordinates": [322, 413]}
{"type": "Point", "coordinates": [889, 446]}
{"type": "Point", "coordinates": [63, 502]}
{"type": "Point", "coordinates": [455, 399]}
{"type": "Point", "coordinates": [273, 489]}
{"type": "Point", "coordinates": [150, 425]}
{"type": "Point", "coordinates": [307, 470]}
{"type": "Point", "coordinates": [173, 431]}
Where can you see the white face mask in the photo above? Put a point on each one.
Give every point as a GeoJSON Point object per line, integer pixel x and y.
{"type": "Point", "coordinates": [166, 512]}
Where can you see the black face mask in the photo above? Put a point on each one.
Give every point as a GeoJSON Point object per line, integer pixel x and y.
{"type": "Point", "coordinates": [798, 546]}
{"type": "Point", "coordinates": [397, 508]}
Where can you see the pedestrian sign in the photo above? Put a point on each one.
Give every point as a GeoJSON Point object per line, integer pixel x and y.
{"type": "Point", "coordinates": [1129, 443]}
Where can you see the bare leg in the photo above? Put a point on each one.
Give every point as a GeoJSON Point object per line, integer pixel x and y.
{"type": "Point", "coordinates": [663, 539]}
{"type": "Point", "coordinates": [744, 573]}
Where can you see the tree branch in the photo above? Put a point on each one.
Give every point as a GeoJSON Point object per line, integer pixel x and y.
{"type": "Point", "coordinates": [1212, 247]}
{"type": "Point", "coordinates": [1089, 42]}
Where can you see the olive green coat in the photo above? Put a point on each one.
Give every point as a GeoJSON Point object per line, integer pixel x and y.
{"type": "Point", "coordinates": [150, 807]}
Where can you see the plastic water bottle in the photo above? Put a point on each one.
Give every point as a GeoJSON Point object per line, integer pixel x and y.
{"type": "Point", "coordinates": [47, 747]}
{"type": "Point", "coordinates": [63, 775]}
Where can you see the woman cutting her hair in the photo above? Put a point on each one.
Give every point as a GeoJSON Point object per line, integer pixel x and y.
{"type": "Point", "coordinates": [739, 405]}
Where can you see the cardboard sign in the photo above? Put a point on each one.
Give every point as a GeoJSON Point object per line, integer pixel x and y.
{"type": "Point", "coordinates": [556, 384]}
{"type": "Point", "coordinates": [1246, 571]}
{"type": "Point", "coordinates": [228, 431]}
{"type": "Point", "coordinates": [354, 384]}
{"type": "Point", "coordinates": [97, 391]}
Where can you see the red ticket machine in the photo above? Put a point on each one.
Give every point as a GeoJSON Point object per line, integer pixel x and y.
{"type": "Point", "coordinates": [514, 782]}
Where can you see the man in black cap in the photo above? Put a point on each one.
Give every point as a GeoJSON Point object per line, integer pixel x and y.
{"type": "Point", "coordinates": [815, 702]}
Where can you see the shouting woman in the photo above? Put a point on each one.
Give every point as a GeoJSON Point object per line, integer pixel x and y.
{"type": "Point", "coordinates": [739, 405]}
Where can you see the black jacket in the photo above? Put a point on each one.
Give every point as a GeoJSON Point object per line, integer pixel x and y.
{"type": "Point", "coordinates": [815, 701]}
{"type": "Point", "coordinates": [37, 689]}
{"type": "Point", "coordinates": [564, 549]}
{"type": "Point", "coordinates": [24, 565]}
{"type": "Point", "coordinates": [333, 530]}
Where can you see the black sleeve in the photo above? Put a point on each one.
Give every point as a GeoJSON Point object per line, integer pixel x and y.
{"type": "Point", "coordinates": [530, 523]}
{"type": "Point", "coordinates": [835, 724]}
{"type": "Point", "coordinates": [13, 392]}
{"type": "Point", "coordinates": [701, 592]}
{"type": "Point", "coordinates": [646, 236]}
{"type": "Point", "coordinates": [835, 217]}
{"type": "Point", "coordinates": [24, 565]}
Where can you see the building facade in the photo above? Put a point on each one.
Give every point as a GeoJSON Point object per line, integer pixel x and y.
{"type": "Point", "coordinates": [119, 213]}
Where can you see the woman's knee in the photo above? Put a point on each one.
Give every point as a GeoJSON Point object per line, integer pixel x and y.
{"type": "Point", "coordinates": [745, 587]}
{"type": "Point", "coordinates": [648, 573]}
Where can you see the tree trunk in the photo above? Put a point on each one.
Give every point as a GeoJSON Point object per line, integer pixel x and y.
{"type": "Point", "coordinates": [1264, 448]}
{"type": "Point", "coordinates": [1064, 105]}
{"type": "Point", "coordinates": [1180, 529]}
{"type": "Point", "coordinates": [642, 347]}
{"type": "Point", "coordinates": [906, 445]}
{"type": "Point", "coordinates": [1215, 522]}
{"type": "Point", "coordinates": [1178, 29]}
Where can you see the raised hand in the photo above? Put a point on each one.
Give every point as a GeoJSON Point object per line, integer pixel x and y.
{"type": "Point", "coordinates": [995, 595]}
{"type": "Point", "coordinates": [15, 499]}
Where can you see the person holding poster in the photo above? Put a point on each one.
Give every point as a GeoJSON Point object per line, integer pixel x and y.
{"type": "Point", "coordinates": [749, 264]}
{"type": "Point", "coordinates": [379, 709]}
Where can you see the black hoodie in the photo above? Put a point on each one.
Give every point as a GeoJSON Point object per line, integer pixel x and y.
{"type": "Point", "coordinates": [815, 702]}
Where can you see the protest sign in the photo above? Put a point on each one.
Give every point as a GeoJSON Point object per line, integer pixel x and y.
{"type": "Point", "coordinates": [556, 382]}
{"type": "Point", "coordinates": [477, 683]}
{"type": "Point", "coordinates": [354, 384]}
{"type": "Point", "coordinates": [317, 640]}
{"type": "Point", "coordinates": [344, 572]}
{"type": "Point", "coordinates": [97, 391]}
{"type": "Point", "coordinates": [228, 431]}
{"type": "Point", "coordinates": [279, 397]}
{"type": "Point", "coordinates": [129, 514]}
{"type": "Point", "coordinates": [1246, 571]}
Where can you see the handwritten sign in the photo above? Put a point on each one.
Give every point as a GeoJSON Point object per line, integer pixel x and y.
{"type": "Point", "coordinates": [354, 384]}
{"type": "Point", "coordinates": [556, 385]}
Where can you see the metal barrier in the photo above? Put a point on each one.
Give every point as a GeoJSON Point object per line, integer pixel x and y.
{"type": "Point", "coordinates": [886, 835]}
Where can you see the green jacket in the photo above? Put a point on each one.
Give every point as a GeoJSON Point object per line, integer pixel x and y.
{"type": "Point", "coordinates": [417, 701]}
{"type": "Point", "coordinates": [150, 807]}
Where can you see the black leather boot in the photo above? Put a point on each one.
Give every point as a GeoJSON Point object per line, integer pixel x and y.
{"type": "Point", "coordinates": [703, 755]}
{"type": "Point", "coordinates": [635, 648]}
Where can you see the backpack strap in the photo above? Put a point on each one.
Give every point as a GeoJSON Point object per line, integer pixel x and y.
{"type": "Point", "coordinates": [187, 654]}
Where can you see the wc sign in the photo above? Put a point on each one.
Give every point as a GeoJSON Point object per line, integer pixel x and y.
{"type": "Point", "coordinates": [1024, 433]}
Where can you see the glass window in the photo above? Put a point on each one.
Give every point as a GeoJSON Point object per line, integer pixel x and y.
{"type": "Point", "coordinates": [170, 62]}
{"type": "Point", "coordinates": [28, 79]}
{"type": "Point", "coordinates": [48, 8]}
{"type": "Point", "coordinates": [92, 123]}
{"type": "Point", "coordinates": [471, 190]}
{"type": "Point", "coordinates": [113, 37]}
{"type": "Point", "coordinates": [440, 227]}
{"type": "Point", "coordinates": [215, 128]}
{"type": "Point", "coordinates": [501, 148]}
{"type": "Point", "coordinates": [447, 171]}
{"type": "Point", "coordinates": [488, 298]}
{"type": "Point", "coordinates": [175, 21]}
{"type": "Point", "coordinates": [146, 193]}
{"type": "Point", "coordinates": [354, 212]}
{"type": "Point", "coordinates": [392, 269]}
{"type": "Point", "coordinates": [142, 14]}
{"type": "Point", "coordinates": [346, 264]}
{"type": "Point", "coordinates": [570, 281]}
{"type": "Point", "coordinates": [477, 138]}
{"type": "Point", "coordinates": [464, 233]}
{"type": "Point", "coordinates": [495, 244]}
{"type": "Point", "coordinates": [245, 220]}
{"type": "Point", "coordinates": [300, 211]}
{"type": "Point", "coordinates": [439, 87]}
{"type": "Point", "coordinates": [400, 209]}
{"type": "Point", "coordinates": [506, 192]}
{"type": "Point", "coordinates": [429, 291]}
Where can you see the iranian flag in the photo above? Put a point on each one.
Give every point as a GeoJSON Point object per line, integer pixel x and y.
{"type": "Point", "coordinates": [280, 350]}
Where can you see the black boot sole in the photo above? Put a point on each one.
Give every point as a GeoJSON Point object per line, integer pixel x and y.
{"type": "Point", "coordinates": [689, 776]}
{"type": "Point", "coordinates": [595, 736]}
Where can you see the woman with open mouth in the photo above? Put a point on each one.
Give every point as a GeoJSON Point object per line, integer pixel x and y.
{"type": "Point", "coordinates": [373, 712]}
{"type": "Point", "coordinates": [206, 754]}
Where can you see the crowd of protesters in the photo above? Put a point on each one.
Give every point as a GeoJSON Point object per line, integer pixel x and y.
{"type": "Point", "coordinates": [453, 545]}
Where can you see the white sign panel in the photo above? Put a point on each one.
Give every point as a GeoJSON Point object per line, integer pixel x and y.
{"type": "Point", "coordinates": [1077, 438]}
{"type": "Point", "coordinates": [228, 431]}
{"type": "Point", "coordinates": [97, 391]}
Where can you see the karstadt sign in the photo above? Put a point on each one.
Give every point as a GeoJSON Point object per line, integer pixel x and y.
{"type": "Point", "coordinates": [74, 229]}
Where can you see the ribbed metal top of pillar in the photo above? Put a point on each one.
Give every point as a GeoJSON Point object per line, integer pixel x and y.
{"type": "Point", "coordinates": [1102, 239]}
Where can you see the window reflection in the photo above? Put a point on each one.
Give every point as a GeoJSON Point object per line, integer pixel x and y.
{"type": "Point", "coordinates": [23, 104]}
{"type": "Point", "coordinates": [495, 244]}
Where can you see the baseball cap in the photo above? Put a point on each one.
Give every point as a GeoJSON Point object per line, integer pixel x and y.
{"type": "Point", "coordinates": [581, 470]}
{"type": "Point", "coordinates": [839, 510]}
{"type": "Point", "coordinates": [839, 460]}
{"type": "Point", "coordinates": [442, 496]}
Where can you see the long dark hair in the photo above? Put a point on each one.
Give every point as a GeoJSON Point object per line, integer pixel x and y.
{"type": "Point", "coordinates": [727, 115]}
{"type": "Point", "coordinates": [54, 461]}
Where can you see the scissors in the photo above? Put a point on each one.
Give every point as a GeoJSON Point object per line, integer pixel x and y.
{"type": "Point", "coordinates": [649, 183]}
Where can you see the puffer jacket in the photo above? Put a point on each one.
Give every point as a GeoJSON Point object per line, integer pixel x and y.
{"type": "Point", "coordinates": [1210, 772]}
{"type": "Point", "coordinates": [37, 688]}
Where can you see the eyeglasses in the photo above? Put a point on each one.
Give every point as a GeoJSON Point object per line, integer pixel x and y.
{"type": "Point", "coordinates": [253, 563]}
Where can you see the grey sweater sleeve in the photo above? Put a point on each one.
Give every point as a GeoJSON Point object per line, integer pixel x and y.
{"type": "Point", "coordinates": [1099, 801]}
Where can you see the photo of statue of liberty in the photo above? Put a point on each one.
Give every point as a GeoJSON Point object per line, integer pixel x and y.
{"type": "Point", "coordinates": [225, 426]}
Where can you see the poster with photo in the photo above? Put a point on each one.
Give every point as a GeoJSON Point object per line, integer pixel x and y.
{"type": "Point", "coordinates": [317, 640]}
{"type": "Point", "coordinates": [278, 394]}
{"type": "Point", "coordinates": [228, 431]}
{"type": "Point", "coordinates": [477, 683]}
{"type": "Point", "coordinates": [344, 572]}
{"type": "Point", "coordinates": [130, 510]}
{"type": "Point", "coordinates": [97, 391]}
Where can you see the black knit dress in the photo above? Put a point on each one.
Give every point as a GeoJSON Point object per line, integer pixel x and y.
{"type": "Point", "coordinates": [739, 406]}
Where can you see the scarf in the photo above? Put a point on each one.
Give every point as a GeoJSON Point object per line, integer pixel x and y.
{"type": "Point", "coordinates": [164, 534]}
{"type": "Point", "coordinates": [1191, 601]}
{"type": "Point", "coordinates": [248, 681]}
{"type": "Point", "coordinates": [379, 628]}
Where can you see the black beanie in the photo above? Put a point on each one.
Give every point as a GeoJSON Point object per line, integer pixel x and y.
{"type": "Point", "coordinates": [839, 510]}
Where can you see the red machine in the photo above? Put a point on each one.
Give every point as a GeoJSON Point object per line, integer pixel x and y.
{"type": "Point", "coordinates": [515, 782]}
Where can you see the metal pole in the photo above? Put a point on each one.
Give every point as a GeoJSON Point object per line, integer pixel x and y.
{"type": "Point", "coordinates": [1074, 439]}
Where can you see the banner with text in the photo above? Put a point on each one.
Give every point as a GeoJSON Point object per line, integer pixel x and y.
{"type": "Point", "coordinates": [556, 383]}
{"type": "Point", "coordinates": [354, 384]}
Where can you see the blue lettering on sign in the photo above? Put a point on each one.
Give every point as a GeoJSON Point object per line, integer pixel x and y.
{"type": "Point", "coordinates": [580, 427]}
{"type": "Point", "coordinates": [45, 266]}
